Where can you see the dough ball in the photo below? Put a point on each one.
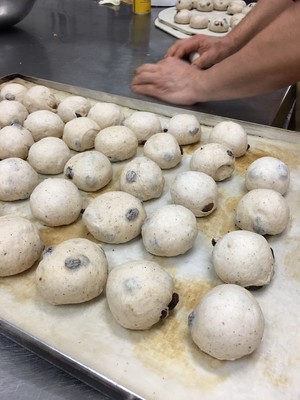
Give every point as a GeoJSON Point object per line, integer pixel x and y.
{"type": "Point", "coordinates": [244, 258]}
{"type": "Point", "coordinates": [185, 128]}
{"type": "Point", "coordinates": [227, 323]}
{"type": "Point", "coordinates": [220, 5]}
{"type": "Point", "coordinates": [163, 149]}
{"type": "Point", "coordinates": [15, 141]}
{"type": "Point", "coordinates": [72, 272]}
{"type": "Point", "coordinates": [199, 21]}
{"type": "Point", "coordinates": [184, 4]}
{"type": "Point", "coordinates": [89, 171]}
{"type": "Point", "coordinates": [17, 179]}
{"type": "Point", "coordinates": [12, 112]}
{"type": "Point", "coordinates": [80, 133]}
{"type": "Point", "coordinates": [263, 211]}
{"type": "Point", "coordinates": [142, 178]}
{"type": "Point", "coordinates": [114, 217]}
{"type": "Point", "coordinates": [205, 5]}
{"type": "Point", "coordinates": [232, 135]}
{"type": "Point", "coordinates": [143, 124]}
{"type": "Point", "coordinates": [44, 123]}
{"type": "Point", "coordinates": [39, 97]}
{"type": "Point", "coordinates": [13, 91]}
{"type": "Point", "coordinates": [215, 160]}
{"type": "Point", "coordinates": [106, 114]}
{"type": "Point", "coordinates": [139, 294]}
{"type": "Point", "coordinates": [170, 230]}
{"type": "Point", "coordinates": [248, 8]}
{"type": "Point", "coordinates": [219, 24]}
{"type": "Point", "coordinates": [20, 244]}
{"type": "Point", "coordinates": [196, 191]}
{"type": "Point", "coordinates": [118, 143]}
{"type": "Point", "coordinates": [236, 19]}
{"type": "Point", "coordinates": [182, 17]}
{"type": "Point", "coordinates": [49, 155]}
{"type": "Point", "coordinates": [268, 173]}
{"type": "Point", "coordinates": [236, 7]}
{"type": "Point", "coordinates": [56, 202]}
{"type": "Point", "coordinates": [73, 107]}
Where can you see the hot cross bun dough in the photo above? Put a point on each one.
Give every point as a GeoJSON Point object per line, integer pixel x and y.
{"type": "Point", "coordinates": [185, 128]}
{"type": "Point", "coordinates": [163, 149]}
{"type": "Point", "coordinates": [114, 217]}
{"type": "Point", "coordinates": [13, 91]}
{"type": "Point", "coordinates": [205, 5]}
{"type": "Point", "coordinates": [106, 114]}
{"type": "Point", "coordinates": [144, 124]}
{"type": "Point", "coordinates": [227, 323]}
{"type": "Point", "coordinates": [236, 6]}
{"type": "Point", "coordinates": [20, 244]}
{"type": "Point", "coordinates": [184, 4]}
{"type": "Point", "coordinates": [248, 8]}
{"type": "Point", "coordinates": [268, 173]}
{"type": "Point", "coordinates": [170, 231]}
{"type": "Point", "coordinates": [244, 258]}
{"type": "Point", "coordinates": [73, 107]}
{"type": "Point", "coordinates": [182, 17]}
{"type": "Point", "coordinates": [79, 133]}
{"type": "Point", "coordinates": [199, 21]}
{"type": "Point", "coordinates": [39, 97]}
{"type": "Point", "coordinates": [12, 112]}
{"type": "Point", "coordinates": [74, 271]}
{"type": "Point", "coordinates": [15, 141]}
{"type": "Point", "coordinates": [49, 155]}
{"type": "Point", "coordinates": [196, 191]}
{"type": "Point", "coordinates": [89, 171]}
{"type": "Point", "coordinates": [264, 211]}
{"type": "Point", "coordinates": [219, 24]}
{"type": "Point", "coordinates": [215, 160]}
{"type": "Point", "coordinates": [220, 5]}
{"type": "Point", "coordinates": [44, 123]}
{"type": "Point", "coordinates": [56, 202]}
{"type": "Point", "coordinates": [232, 135]}
{"type": "Point", "coordinates": [17, 179]}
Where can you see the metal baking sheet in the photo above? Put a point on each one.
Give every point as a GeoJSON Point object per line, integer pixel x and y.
{"type": "Point", "coordinates": [163, 363]}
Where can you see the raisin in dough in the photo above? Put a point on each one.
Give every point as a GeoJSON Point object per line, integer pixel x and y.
{"type": "Point", "coordinates": [13, 91]}
{"type": "Point", "coordinates": [39, 97]}
{"type": "Point", "coordinates": [15, 141]}
{"type": "Point", "coordinates": [219, 24]}
{"type": "Point", "coordinates": [184, 4]}
{"type": "Point", "coordinates": [73, 107]}
{"type": "Point", "coordinates": [232, 135]}
{"type": "Point", "coordinates": [80, 133]}
{"type": "Point", "coordinates": [205, 5]}
{"type": "Point", "coordinates": [221, 5]}
{"type": "Point", "coordinates": [44, 123]}
{"type": "Point", "coordinates": [12, 112]}
{"type": "Point", "coordinates": [144, 124]}
{"type": "Point", "coordinates": [106, 114]}
{"type": "Point", "coordinates": [185, 128]}
{"type": "Point", "coordinates": [163, 149]}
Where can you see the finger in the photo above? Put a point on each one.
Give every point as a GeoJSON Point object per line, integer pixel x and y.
{"type": "Point", "coordinates": [145, 68]}
{"type": "Point", "coordinates": [143, 78]}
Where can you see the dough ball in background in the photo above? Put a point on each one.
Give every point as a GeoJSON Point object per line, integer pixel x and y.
{"type": "Point", "coordinates": [144, 124]}
{"type": "Point", "coordinates": [44, 123]}
{"type": "Point", "coordinates": [15, 141]}
{"type": "Point", "coordinates": [73, 107]}
{"type": "Point", "coordinates": [17, 179]}
{"type": "Point", "coordinates": [12, 112]}
{"type": "Point", "coordinates": [227, 323]}
{"type": "Point", "coordinates": [79, 133]}
{"type": "Point", "coordinates": [74, 271]}
{"type": "Point", "coordinates": [20, 245]}
{"type": "Point", "coordinates": [232, 135]}
{"type": "Point", "coordinates": [184, 4]}
{"type": "Point", "coordinates": [236, 19]}
{"type": "Point", "coordinates": [205, 5]}
{"type": "Point", "coordinates": [219, 24]}
{"type": "Point", "coordinates": [263, 211]}
{"type": "Point", "coordinates": [221, 5]}
{"type": "Point", "coordinates": [236, 7]}
{"type": "Point", "coordinates": [49, 155]}
{"type": "Point", "coordinates": [56, 202]}
{"type": "Point", "coordinates": [89, 171]}
{"type": "Point", "coordinates": [39, 97]}
{"type": "Point", "coordinates": [106, 114]}
{"type": "Point", "coordinates": [182, 17]}
{"type": "Point", "coordinates": [248, 8]}
{"type": "Point", "coordinates": [185, 128]}
{"type": "Point", "coordinates": [13, 91]}
{"type": "Point", "coordinates": [139, 294]}
{"type": "Point", "coordinates": [163, 149]}
{"type": "Point", "coordinates": [198, 21]}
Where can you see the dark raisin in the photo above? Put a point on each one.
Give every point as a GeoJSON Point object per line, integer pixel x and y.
{"type": "Point", "coordinates": [208, 207]}
{"type": "Point", "coordinates": [174, 301]}
{"type": "Point", "coordinates": [74, 263]}
{"type": "Point", "coordinates": [230, 153]}
{"type": "Point", "coordinates": [48, 250]}
{"type": "Point", "coordinates": [69, 172]}
{"type": "Point", "coordinates": [213, 241]}
{"type": "Point", "coordinates": [164, 313]}
{"type": "Point", "coordinates": [130, 176]}
{"type": "Point", "coordinates": [191, 318]}
{"type": "Point", "coordinates": [132, 214]}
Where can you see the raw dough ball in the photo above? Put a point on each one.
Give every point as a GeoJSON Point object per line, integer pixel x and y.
{"type": "Point", "coordinates": [89, 171]}
{"type": "Point", "coordinates": [182, 17]}
{"type": "Point", "coordinates": [114, 217]}
{"type": "Point", "coordinates": [236, 19]}
{"type": "Point", "coordinates": [106, 114]}
{"type": "Point", "coordinates": [39, 97]}
{"type": "Point", "coordinates": [228, 322]}
{"type": "Point", "coordinates": [220, 5]}
{"type": "Point", "coordinates": [196, 191]}
{"type": "Point", "coordinates": [13, 91]}
{"type": "Point", "coordinates": [244, 258]}
{"type": "Point", "coordinates": [15, 141]}
{"type": "Point", "coordinates": [142, 178]}
{"type": "Point", "coordinates": [44, 123]}
{"type": "Point", "coordinates": [12, 112]}
{"type": "Point", "coordinates": [263, 211]}
{"type": "Point", "coordinates": [143, 124]}
{"type": "Point", "coordinates": [118, 143]}
{"type": "Point", "coordinates": [17, 179]}
{"type": "Point", "coordinates": [205, 5]}
{"type": "Point", "coordinates": [80, 133]}
{"type": "Point", "coordinates": [232, 135]}
{"type": "Point", "coordinates": [139, 294]}
{"type": "Point", "coordinates": [72, 272]}
{"type": "Point", "coordinates": [73, 107]}
{"type": "Point", "coordinates": [236, 7]}
{"type": "Point", "coordinates": [199, 21]}
{"type": "Point", "coordinates": [219, 24]}
{"type": "Point", "coordinates": [185, 128]}
{"type": "Point", "coordinates": [56, 202]}
{"type": "Point", "coordinates": [248, 8]}
{"type": "Point", "coordinates": [170, 230]}
{"type": "Point", "coordinates": [184, 4]}
{"type": "Point", "coordinates": [268, 173]}
{"type": "Point", "coordinates": [163, 149]}
{"type": "Point", "coordinates": [215, 160]}
{"type": "Point", "coordinates": [20, 244]}
{"type": "Point", "coordinates": [49, 155]}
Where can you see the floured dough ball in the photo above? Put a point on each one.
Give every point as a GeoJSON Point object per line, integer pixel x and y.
{"type": "Point", "coordinates": [199, 21]}
{"type": "Point", "coordinates": [89, 171]}
{"type": "Point", "coordinates": [248, 8]}
{"type": "Point", "coordinates": [185, 128]}
{"type": "Point", "coordinates": [56, 202]}
{"type": "Point", "coordinates": [73, 107]}
{"type": "Point", "coordinates": [170, 230]}
{"type": "Point", "coordinates": [244, 258]}
{"type": "Point", "coordinates": [142, 178]}
{"type": "Point", "coordinates": [182, 17]}
{"type": "Point", "coordinates": [236, 19]}
{"type": "Point", "coordinates": [263, 211]}
{"type": "Point", "coordinates": [144, 124]}
{"type": "Point", "coordinates": [163, 149]}
{"type": "Point", "coordinates": [268, 173]}
{"type": "Point", "coordinates": [106, 114]}
{"type": "Point", "coordinates": [17, 179]}
{"type": "Point", "coordinates": [20, 244]}
{"type": "Point", "coordinates": [232, 135]}
{"type": "Point", "coordinates": [236, 7]}
{"type": "Point", "coordinates": [114, 217]}
{"type": "Point", "coordinates": [219, 24]}
{"type": "Point", "coordinates": [44, 123]}
{"type": "Point", "coordinates": [205, 5]}
{"type": "Point", "coordinates": [184, 4]}
{"type": "Point", "coordinates": [13, 91]}
{"type": "Point", "coordinates": [220, 5]}
{"type": "Point", "coordinates": [74, 271]}
{"type": "Point", "coordinates": [49, 155]}
{"type": "Point", "coordinates": [118, 143]}
{"type": "Point", "coordinates": [39, 97]}
{"type": "Point", "coordinates": [80, 133]}
{"type": "Point", "coordinates": [15, 141]}
{"type": "Point", "coordinates": [227, 323]}
{"type": "Point", "coordinates": [12, 112]}
{"type": "Point", "coordinates": [140, 294]}
{"type": "Point", "coordinates": [196, 191]}
{"type": "Point", "coordinates": [215, 160]}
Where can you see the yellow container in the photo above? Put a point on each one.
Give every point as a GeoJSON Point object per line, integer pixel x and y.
{"type": "Point", "coordinates": [141, 6]}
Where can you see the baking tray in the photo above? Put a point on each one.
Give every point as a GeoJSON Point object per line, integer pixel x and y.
{"type": "Point", "coordinates": [163, 363]}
